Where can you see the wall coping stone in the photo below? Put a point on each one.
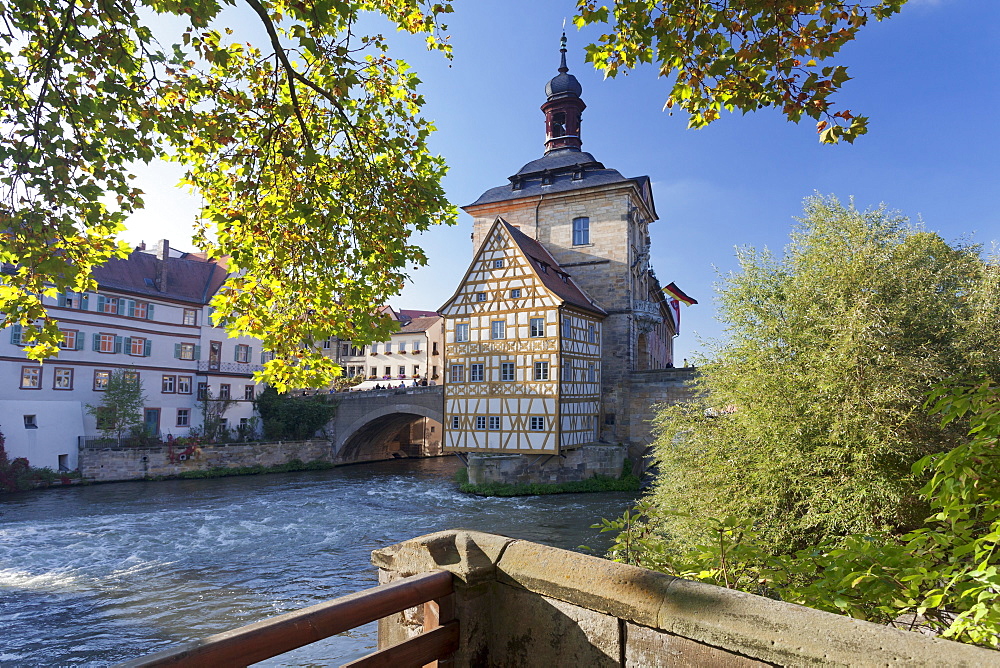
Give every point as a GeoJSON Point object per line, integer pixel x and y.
{"type": "Point", "coordinates": [747, 624]}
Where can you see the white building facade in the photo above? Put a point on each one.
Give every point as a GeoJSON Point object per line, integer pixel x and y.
{"type": "Point", "coordinates": [150, 317]}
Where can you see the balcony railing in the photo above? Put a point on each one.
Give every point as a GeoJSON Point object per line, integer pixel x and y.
{"type": "Point", "coordinates": [277, 635]}
{"type": "Point", "coordinates": [235, 368]}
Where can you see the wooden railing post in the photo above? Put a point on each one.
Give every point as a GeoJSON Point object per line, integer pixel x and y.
{"type": "Point", "coordinates": [437, 613]}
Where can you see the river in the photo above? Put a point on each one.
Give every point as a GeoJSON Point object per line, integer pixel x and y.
{"type": "Point", "coordinates": [99, 574]}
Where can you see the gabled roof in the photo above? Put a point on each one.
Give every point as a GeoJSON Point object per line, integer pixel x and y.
{"type": "Point", "coordinates": [411, 313]}
{"type": "Point", "coordinates": [189, 278]}
{"type": "Point", "coordinates": [418, 325]}
{"type": "Point", "coordinates": [545, 267]}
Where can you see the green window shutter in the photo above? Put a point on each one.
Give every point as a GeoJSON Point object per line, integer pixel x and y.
{"type": "Point", "coordinates": [149, 312]}
{"type": "Point", "coordinates": [177, 350]}
{"type": "Point", "coordinates": [97, 341]}
{"type": "Point", "coordinates": [118, 344]}
{"type": "Point", "coordinates": [101, 302]}
{"type": "Point", "coordinates": [236, 353]}
{"type": "Point", "coordinates": [122, 305]}
{"type": "Point", "coordinates": [84, 302]}
{"type": "Point", "coordinates": [79, 340]}
{"type": "Point", "coordinates": [147, 348]}
{"type": "Point", "coordinates": [15, 335]}
{"type": "Point", "coordinates": [263, 357]}
{"type": "Point", "coordinates": [249, 353]}
{"type": "Point", "coordinates": [61, 300]}
{"type": "Point", "coordinates": [197, 352]}
{"type": "Point", "coordinates": [131, 307]}
{"type": "Point", "coordinates": [126, 345]}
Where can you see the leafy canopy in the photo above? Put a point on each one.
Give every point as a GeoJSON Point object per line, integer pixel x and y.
{"type": "Point", "coordinates": [740, 55]}
{"type": "Point", "coordinates": [809, 416]}
{"type": "Point", "coordinates": [310, 154]}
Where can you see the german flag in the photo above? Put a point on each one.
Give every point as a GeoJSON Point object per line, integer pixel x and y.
{"type": "Point", "coordinates": [679, 295]}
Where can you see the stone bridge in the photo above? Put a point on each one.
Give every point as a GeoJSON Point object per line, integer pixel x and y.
{"type": "Point", "coordinates": [382, 424]}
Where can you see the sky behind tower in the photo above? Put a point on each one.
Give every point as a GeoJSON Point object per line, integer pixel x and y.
{"type": "Point", "coordinates": [928, 79]}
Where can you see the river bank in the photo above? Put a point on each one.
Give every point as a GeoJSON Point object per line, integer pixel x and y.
{"type": "Point", "coordinates": [102, 573]}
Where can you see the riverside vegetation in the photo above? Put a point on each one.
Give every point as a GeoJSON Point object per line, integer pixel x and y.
{"type": "Point", "coordinates": [842, 449]}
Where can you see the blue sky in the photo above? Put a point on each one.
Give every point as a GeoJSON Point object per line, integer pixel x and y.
{"type": "Point", "coordinates": [929, 79]}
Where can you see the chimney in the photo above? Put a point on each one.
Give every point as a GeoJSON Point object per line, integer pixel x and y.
{"type": "Point", "coordinates": [162, 253]}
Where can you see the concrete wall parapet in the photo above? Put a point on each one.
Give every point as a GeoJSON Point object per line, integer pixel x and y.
{"type": "Point", "coordinates": [526, 604]}
{"type": "Point", "coordinates": [574, 465]}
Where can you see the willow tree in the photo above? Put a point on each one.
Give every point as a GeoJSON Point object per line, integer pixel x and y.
{"type": "Point", "coordinates": [309, 153]}
{"type": "Point", "coordinates": [810, 414]}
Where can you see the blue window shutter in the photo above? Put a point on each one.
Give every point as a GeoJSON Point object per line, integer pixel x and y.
{"type": "Point", "coordinates": [79, 340]}
{"type": "Point", "coordinates": [236, 353]}
{"type": "Point", "coordinates": [97, 341]}
{"type": "Point", "coordinates": [62, 299]}
{"type": "Point", "coordinates": [84, 302]}
{"type": "Point", "coordinates": [118, 344]}
{"type": "Point", "coordinates": [147, 348]}
{"type": "Point", "coordinates": [131, 308]}
{"type": "Point", "coordinates": [249, 353]}
{"type": "Point", "coordinates": [15, 335]}
{"type": "Point", "coordinates": [177, 350]}
{"type": "Point", "coordinates": [101, 301]}
{"type": "Point", "coordinates": [127, 345]}
{"type": "Point", "coordinates": [149, 312]}
{"type": "Point", "coordinates": [197, 352]}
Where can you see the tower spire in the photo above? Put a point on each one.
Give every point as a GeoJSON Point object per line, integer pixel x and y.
{"type": "Point", "coordinates": [563, 108]}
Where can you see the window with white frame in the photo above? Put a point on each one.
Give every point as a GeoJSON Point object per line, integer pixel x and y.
{"type": "Point", "coordinates": [480, 422]}
{"type": "Point", "coordinates": [541, 370]}
{"type": "Point", "coordinates": [498, 329]}
{"type": "Point", "coordinates": [63, 379]}
{"type": "Point", "coordinates": [72, 339]}
{"type": "Point", "coordinates": [31, 378]}
{"type": "Point", "coordinates": [190, 316]}
{"type": "Point", "coordinates": [416, 347]}
{"type": "Point", "coordinates": [515, 293]}
{"type": "Point", "coordinates": [461, 332]}
{"type": "Point", "coordinates": [457, 373]}
{"type": "Point", "coordinates": [186, 351]}
{"type": "Point", "coordinates": [476, 373]}
{"type": "Point", "coordinates": [480, 296]}
{"type": "Point", "coordinates": [183, 417]}
{"type": "Point", "coordinates": [106, 343]}
{"type": "Point", "coordinates": [137, 346]}
{"type": "Point", "coordinates": [506, 371]}
{"type": "Point", "coordinates": [225, 391]}
{"type": "Point", "coordinates": [388, 349]}
{"type": "Point", "coordinates": [536, 423]}
{"type": "Point", "coordinates": [168, 385]}
{"type": "Point", "coordinates": [248, 392]}
{"type": "Point", "coordinates": [537, 327]}
{"type": "Point", "coordinates": [567, 328]}
{"type": "Point", "coordinates": [494, 423]}
{"type": "Point", "coordinates": [581, 231]}
{"type": "Point", "coordinates": [242, 353]}
{"type": "Point", "coordinates": [498, 264]}
{"type": "Point", "coordinates": [101, 377]}
{"type": "Point", "coordinates": [183, 384]}
{"type": "Point", "coordinates": [374, 349]}
{"type": "Point", "coordinates": [402, 370]}
{"type": "Point", "coordinates": [402, 346]}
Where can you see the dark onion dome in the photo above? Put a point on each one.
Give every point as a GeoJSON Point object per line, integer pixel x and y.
{"type": "Point", "coordinates": [563, 84]}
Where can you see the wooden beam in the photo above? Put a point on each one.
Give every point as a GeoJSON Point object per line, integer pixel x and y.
{"type": "Point", "coordinates": [417, 651]}
{"type": "Point", "coordinates": [277, 635]}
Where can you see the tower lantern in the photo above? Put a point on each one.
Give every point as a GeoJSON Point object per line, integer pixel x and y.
{"type": "Point", "coordinates": [563, 109]}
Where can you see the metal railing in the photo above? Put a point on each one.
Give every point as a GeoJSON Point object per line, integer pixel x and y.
{"type": "Point", "coordinates": [277, 635]}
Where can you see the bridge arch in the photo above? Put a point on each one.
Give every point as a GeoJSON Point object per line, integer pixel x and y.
{"type": "Point", "coordinates": [376, 425]}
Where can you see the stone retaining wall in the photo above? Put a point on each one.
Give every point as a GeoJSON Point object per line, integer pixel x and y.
{"type": "Point", "coordinates": [112, 464]}
{"type": "Point", "coordinates": [575, 465]}
{"type": "Point", "coordinates": [523, 604]}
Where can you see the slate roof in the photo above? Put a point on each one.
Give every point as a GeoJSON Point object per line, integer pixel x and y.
{"type": "Point", "coordinates": [410, 313]}
{"type": "Point", "coordinates": [566, 169]}
{"type": "Point", "coordinates": [189, 278]}
{"type": "Point", "coordinates": [554, 277]}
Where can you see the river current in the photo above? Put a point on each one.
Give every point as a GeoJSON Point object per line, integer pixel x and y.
{"type": "Point", "coordinates": [99, 574]}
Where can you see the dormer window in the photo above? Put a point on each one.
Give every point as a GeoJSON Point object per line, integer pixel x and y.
{"type": "Point", "coordinates": [546, 178]}
{"type": "Point", "coordinates": [578, 174]}
{"type": "Point", "coordinates": [515, 184]}
{"type": "Point", "coordinates": [543, 267]}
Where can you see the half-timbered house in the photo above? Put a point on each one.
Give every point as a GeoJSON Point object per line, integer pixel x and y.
{"type": "Point", "coordinates": [523, 352]}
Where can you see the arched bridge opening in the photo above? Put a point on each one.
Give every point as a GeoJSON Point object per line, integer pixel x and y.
{"type": "Point", "coordinates": [372, 426]}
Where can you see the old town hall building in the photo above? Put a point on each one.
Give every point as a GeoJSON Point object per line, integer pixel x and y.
{"type": "Point", "coordinates": [559, 305]}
